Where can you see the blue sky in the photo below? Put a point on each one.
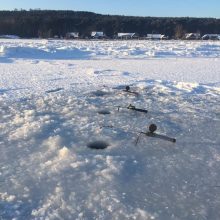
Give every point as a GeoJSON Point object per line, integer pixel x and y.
{"type": "Point", "coordinates": [164, 8]}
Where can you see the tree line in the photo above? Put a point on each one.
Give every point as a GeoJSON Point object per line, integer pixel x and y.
{"type": "Point", "coordinates": [49, 23]}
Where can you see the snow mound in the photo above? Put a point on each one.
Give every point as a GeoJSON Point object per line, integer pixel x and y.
{"type": "Point", "coordinates": [2, 50]}
{"type": "Point", "coordinates": [9, 37]}
{"type": "Point", "coordinates": [45, 53]}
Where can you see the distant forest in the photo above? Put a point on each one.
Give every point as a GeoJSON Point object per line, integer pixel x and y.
{"type": "Point", "coordinates": [47, 23]}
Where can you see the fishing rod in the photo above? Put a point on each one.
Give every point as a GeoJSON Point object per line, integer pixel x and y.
{"type": "Point", "coordinates": [151, 133]}
{"type": "Point", "coordinates": [128, 90]}
{"type": "Point", "coordinates": [132, 107]}
{"type": "Point", "coordinates": [129, 107]}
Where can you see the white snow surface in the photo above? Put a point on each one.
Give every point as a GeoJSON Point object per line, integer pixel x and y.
{"type": "Point", "coordinates": [57, 49]}
{"type": "Point", "coordinates": [54, 100]}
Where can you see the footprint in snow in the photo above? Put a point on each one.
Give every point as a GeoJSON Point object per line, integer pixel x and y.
{"type": "Point", "coordinates": [125, 74]}
{"type": "Point", "coordinates": [2, 91]}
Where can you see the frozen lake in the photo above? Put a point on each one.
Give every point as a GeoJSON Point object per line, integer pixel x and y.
{"type": "Point", "coordinates": [59, 98]}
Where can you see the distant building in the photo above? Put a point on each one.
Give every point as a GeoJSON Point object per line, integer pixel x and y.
{"type": "Point", "coordinates": [98, 35]}
{"type": "Point", "coordinates": [126, 36]}
{"type": "Point", "coordinates": [156, 37]}
{"type": "Point", "coordinates": [211, 37]}
{"type": "Point", "coordinates": [72, 35]}
{"type": "Point", "coordinates": [192, 36]}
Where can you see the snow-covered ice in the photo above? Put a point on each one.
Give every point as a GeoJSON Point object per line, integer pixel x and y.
{"type": "Point", "coordinates": [56, 49]}
{"type": "Point", "coordinates": [59, 98]}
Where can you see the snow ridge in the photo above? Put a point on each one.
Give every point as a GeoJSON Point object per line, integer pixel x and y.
{"type": "Point", "coordinates": [61, 50]}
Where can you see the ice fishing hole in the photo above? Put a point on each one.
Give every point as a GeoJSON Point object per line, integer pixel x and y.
{"type": "Point", "coordinates": [104, 112]}
{"type": "Point", "coordinates": [99, 93]}
{"type": "Point", "coordinates": [98, 145]}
